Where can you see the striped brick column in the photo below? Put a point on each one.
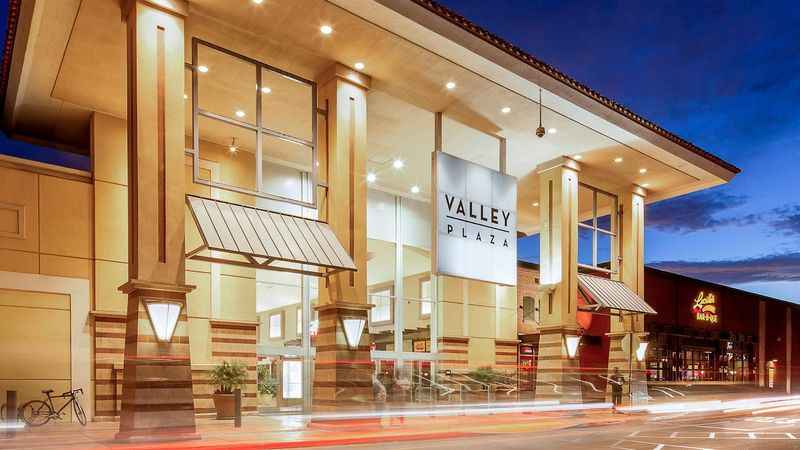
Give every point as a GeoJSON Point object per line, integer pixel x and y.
{"type": "Point", "coordinates": [453, 353]}
{"type": "Point", "coordinates": [157, 396]}
{"type": "Point", "coordinates": [109, 349]}
{"type": "Point", "coordinates": [342, 377]}
{"type": "Point", "coordinates": [556, 372]}
{"type": "Point", "coordinates": [505, 352]}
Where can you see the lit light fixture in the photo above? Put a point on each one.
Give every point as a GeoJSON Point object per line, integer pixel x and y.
{"type": "Point", "coordinates": [359, 66]}
{"type": "Point", "coordinates": [371, 177]}
{"type": "Point", "coordinates": [233, 148]}
{"type": "Point", "coordinates": [552, 130]}
{"type": "Point", "coordinates": [326, 29]}
{"type": "Point", "coordinates": [264, 89]}
{"type": "Point", "coordinates": [353, 328]}
{"type": "Point", "coordinates": [641, 351]}
{"type": "Point", "coordinates": [202, 69]}
{"type": "Point", "coordinates": [645, 185]}
{"type": "Point", "coordinates": [398, 164]}
{"type": "Point", "coordinates": [185, 96]}
{"type": "Point", "coordinates": [505, 110]}
{"type": "Point", "coordinates": [415, 189]}
{"type": "Point", "coordinates": [258, 2]}
{"type": "Point", "coordinates": [239, 113]}
{"type": "Point", "coordinates": [163, 316]}
{"type": "Point", "coordinates": [577, 157]}
{"type": "Point", "coordinates": [571, 342]}
{"type": "Point", "coordinates": [540, 129]}
{"type": "Point", "coordinates": [643, 170]}
{"type": "Point", "coordinates": [618, 160]}
{"type": "Point", "coordinates": [535, 204]}
{"type": "Point", "coordinates": [450, 85]}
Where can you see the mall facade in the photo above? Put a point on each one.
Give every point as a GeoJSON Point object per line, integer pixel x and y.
{"type": "Point", "coordinates": [328, 192]}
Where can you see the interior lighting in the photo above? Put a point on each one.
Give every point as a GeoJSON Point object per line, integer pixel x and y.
{"type": "Point", "coordinates": [645, 185]}
{"type": "Point", "coordinates": [398, 164]}
{"type": "Point", "coordinates": [185, 96]}
{"type": "Point", "coordinates": [258, 2]}
{"type": "Point", "coordinates": [571, 342]}
{"type": "Point", "coordinates": [415, 189]}
{"type": "Point", "coordinates": [643, 170]}
{"type": "Point", "coordinates": [233, 148]}
{"type": "Point", "coordinates": [535, 204]}
{"type": "Point", "coordinates": [239, 113]}
{"type": "Point", "coordinates": [371, 177]}
{"type": "Point", "coordinates": [359, 66]}
{"type": "Point", "coordinates": [326, 29]}
{"type": "Point", "coordinates": [450, 85]}
{"type": "Point", "coordinates": [577, 157]}
{"type": "Point", "coordinates": [202, 69]}
{"type": "Point", "coordinates": [618, 159]}
{"type": "Point", "coordinates": [264, 89]}
{"type": "Point", "coordinates": [552, 130]}
{"type": "Point", "coordinates": [353, 328]}
{"type": "Point", "coordinates": [163, 316]}
{"type": "Point", "coordinates": [505, 110]}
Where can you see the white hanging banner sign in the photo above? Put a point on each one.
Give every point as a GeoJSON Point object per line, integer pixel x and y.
{"type": "Point", "coordinates": [476, 221]}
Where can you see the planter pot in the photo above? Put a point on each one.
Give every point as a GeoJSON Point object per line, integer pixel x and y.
{"type": "Point", "coordinates": [225, 405]}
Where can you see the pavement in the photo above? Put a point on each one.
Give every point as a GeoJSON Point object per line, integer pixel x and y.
{"type": "Point", "coordinates": [678, 425]}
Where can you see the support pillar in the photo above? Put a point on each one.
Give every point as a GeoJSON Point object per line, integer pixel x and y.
{"type": "Point", "coordinates": [628, 329]}
{"type": "Point", "coordinates": [157, 399]}
{"type": "Point", "coordinates": [343, 376]}
{"type": "Point", "coordinates": [557, 374]}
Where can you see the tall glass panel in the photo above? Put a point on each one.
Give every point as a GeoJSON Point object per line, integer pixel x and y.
{"type": "Point", "coordinates": [417, 284]}
{"type": "Point", "coordinates": [381, 268]}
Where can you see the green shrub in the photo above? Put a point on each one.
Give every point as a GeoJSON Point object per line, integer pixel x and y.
{"type": "Point", "coordinates": [483, 374]}
{"type": "Point", "coordinates": [228, 376]}
{"type": "Point", "coordinates": [266, 384]}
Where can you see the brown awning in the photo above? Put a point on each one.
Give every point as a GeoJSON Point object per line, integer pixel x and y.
{"type": "Point", "coordinates": [260, 237]}
{"type": "Point", "coordinates": [609, 294]}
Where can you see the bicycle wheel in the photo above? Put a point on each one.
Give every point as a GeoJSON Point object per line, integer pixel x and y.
{"type": "Point", "coordinates": [35, 413]}
{"type": "Point", "coordinates": [79, 412]}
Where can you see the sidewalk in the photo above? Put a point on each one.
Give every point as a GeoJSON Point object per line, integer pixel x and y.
{"type": "Point", "coordinates": [268, 432]}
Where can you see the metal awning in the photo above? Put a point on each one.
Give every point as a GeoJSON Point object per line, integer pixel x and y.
{"type": "Point", "coordinates": [610, 294]}
{"type": "Point", "coordinates": [258, 238]}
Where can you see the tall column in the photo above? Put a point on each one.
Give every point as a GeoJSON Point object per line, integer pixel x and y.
{"type": "Point", "coordinates": [558, 241]}
{"type": "Point", "coordinates": [343, 376]}
{"type": "Point", "coordinates": [628, 329]}
{"type": "Point", "coordinates": [157, 381]}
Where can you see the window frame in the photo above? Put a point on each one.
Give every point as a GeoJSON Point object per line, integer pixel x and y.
{"type": "Point", "coordinates": [282, 325]}
{"type": "Point", "coordinates": [381, 288]}
{"type": "Point", "coordinates": [259, 128]}
{"type": "Point", "coordinates": [536, 310]}
{"type": "Point", "coordinates": [299, 321]}
{"type": "Point", "coordinates": [423, 301]}
{"type": "Point", "coordinates": [596, 230]}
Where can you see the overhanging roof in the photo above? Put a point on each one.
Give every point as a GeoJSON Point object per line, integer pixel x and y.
{"type": "Point", "coordinates": [260, 238]}
{"type": "Point", "coordinates": [609, 294]}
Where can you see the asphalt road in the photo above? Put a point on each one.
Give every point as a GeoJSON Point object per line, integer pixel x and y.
{"type": "Point", "coordinates": [664, 432]}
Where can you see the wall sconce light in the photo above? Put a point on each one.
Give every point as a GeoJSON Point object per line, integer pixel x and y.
{"type": "Point", "coordinates": [572, 342]}
{"type": "Point", "coordinates": [353, 328]}
{"type": "Point", "coordinates": [641, 351]}
{"type": "Point", "coordinates": [163, 316]}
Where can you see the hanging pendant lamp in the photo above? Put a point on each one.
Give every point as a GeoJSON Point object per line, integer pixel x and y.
{"type": "Point", "coordinates": [540, 131]}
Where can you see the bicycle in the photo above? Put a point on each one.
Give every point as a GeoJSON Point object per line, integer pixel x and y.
{"type": "Point", "coordinates": [36, 413]}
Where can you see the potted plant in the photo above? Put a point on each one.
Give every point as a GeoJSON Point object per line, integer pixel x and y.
{"type": "Point", "coordinates": [227, 376]}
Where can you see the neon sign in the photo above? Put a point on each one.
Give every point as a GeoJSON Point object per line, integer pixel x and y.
{"type": "Point", "coordinates": [705, 307]}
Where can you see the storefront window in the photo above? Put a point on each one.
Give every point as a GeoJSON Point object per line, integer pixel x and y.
{"type": "Point", "coordinates": [276, 326]}
{"type": "Point", "coordinates": [292, 379]}
{"type": "Point", "coordinates": [597, 211]}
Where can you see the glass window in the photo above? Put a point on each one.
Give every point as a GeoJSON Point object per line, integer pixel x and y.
{"type": "Point", "coordinates": [425, 297]}
{"type": "Point", "coordinates": [530, 310]}
{"type": "Point", "coordinates": [382, 306]}
{"type": "Point", "coordinates": [276, 326]}
{"type": "Point", "coordinates": [292, 379]}
{"type": "Point", "coordinates": [597, 212]}
{"type": "Point", "coordinates": [299, 321]}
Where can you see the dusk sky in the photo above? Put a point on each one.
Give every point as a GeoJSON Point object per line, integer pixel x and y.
{"type": "Point", "coordinates": [726, 76]}
{"type": "Point", "coordinates": [723, 75]}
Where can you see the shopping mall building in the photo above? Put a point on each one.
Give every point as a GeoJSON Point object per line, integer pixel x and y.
{"type": "Point", "coordinates": [329, 192]}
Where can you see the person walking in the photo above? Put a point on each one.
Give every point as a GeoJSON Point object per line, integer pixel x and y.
{"type": "Point", "coordinates": [617, 381]}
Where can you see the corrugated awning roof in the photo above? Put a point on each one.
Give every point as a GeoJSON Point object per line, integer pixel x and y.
{"type": "Point", "coordinates": [610, 294]}
{"type": "Point", "coordinates": [262, 237]}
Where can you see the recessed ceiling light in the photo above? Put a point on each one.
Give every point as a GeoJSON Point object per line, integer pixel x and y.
{"type": "Point", "coordinates": [185, 96]}
{"type": "Point", "coordinates": [617, 160]}
{"type": "Point", "coordinates": [642, 170]}
{"type": "Point", "coordinates": [552, 130]}
{"type": "Point", "coordinates": [239, 113]}
{"type": "Point", "coordinates": [264, 89]}
{"type": "Point", "coordinates": [371, 177]}
{"type": "Point", "coordinates": [398, 163]}
{"type": "Point", "coordinates": [535, 203]}
{"type": "Point", "coordinates": [415, 189]}
{"type": "Point", "coordinates": [505, 110]}
{"type": "Point", "coordinates": [202, 69]}
{"type": "Point", "coordinates": [450, 85]}
{"type": "Point", "coordinates": [359, 66]}
{"type": "Point", "coordinates": [577, 157]}
{"type": "Point", "coordinates": [326, 29]}
{"type": "Point", "coordinates": [258, 2]}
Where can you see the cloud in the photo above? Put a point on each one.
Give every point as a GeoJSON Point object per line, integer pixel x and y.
{"type": "Point", "coordinates": [769, 268]}
{"type": "Point", "coordinates": [786, 220]}
{"type": "Point", "coordinates": [695, 212]}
